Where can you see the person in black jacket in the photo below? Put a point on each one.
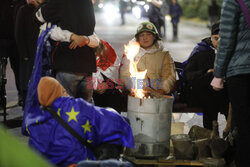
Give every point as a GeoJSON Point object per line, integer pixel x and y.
{"type": "Point", "coordinates": [71, 65]}
{"type": "Point", "coordinates": [8, 46]}
{"type": "Point", "coordinates": [197, 77]}
{"type": "Point", "coordinates": [156, 17]}
{"type": "Point", "coordinates": [26, 34]}
{"type": "Point", "coordinates": [175, 13]}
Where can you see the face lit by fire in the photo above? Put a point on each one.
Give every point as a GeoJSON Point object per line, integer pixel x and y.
{"type": "Point", "coordinates": [146, 39]}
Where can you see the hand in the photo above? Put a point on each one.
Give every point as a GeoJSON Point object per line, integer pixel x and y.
{"type": "Point", "coordinates": [210, 70]}
{"type": "Point", "coordinates": [217, 89]}
{"type": "Point", "coordinates": [217, 83]}
{"type": "Point", "coordinates": [84, 41]}
{"type": "Point", "coordinates": [41, 1]}
{"type": "Point", "coordinates": [101, 88]}
{"type": "Point", "coordinates": [75, 41]}
{"type": "Point", "coordinates": [78, 40]}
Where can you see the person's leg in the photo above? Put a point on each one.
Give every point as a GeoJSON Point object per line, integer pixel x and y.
{"type": "Point", "coordinates": [84, 89]}
{"type": "Point", "coordinates": [174, 31]}
{"type": "Point", "coordinates": [70, 82]}
{"type": "Point", "coordinates": [239, 93]}
{"type": "Point", "coordinates": [208, 99]}
{"type": "Point", "coordinates": [3, 63]}
{"type": "Point", "coordinates": [14, 63]}
{"type": "Point", "coordinates": [158, 27]}
{"type": "Point", "coordinates": [122, 16]}
{"type": "Point", "coordinates": [26, 67]}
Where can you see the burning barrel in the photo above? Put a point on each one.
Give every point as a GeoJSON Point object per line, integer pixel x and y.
{"type": "Point", "coordinates": [150, 120]}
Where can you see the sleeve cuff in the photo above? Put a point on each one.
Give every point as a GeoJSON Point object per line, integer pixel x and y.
{"type": "Point", "coordinates": [39, 16]}
{"type": "Point", "coordinates": [93, 41]}
{"type": "Point", "coordinates": [58, 34]}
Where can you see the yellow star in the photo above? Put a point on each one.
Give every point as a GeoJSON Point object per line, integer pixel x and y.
{"type": "Point", "coordinates": [27, 129]}
{"type": "Point", "coordinates": [58, 112]}
{"type": "Point", "coordinates": [72, 115]}
{"type": "Point", "coordinates": [37, 121]}
{"type": "Point", "coordinates": [87, 127]}
{"type": "Point", "coordinates": [89, 141]}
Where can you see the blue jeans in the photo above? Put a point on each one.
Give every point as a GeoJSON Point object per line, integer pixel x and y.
{"type": "Point", "coordinates": [71, 81]}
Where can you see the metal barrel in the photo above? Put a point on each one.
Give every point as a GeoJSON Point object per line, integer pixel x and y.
{"type": "Point", "coordinates": [150, 120]}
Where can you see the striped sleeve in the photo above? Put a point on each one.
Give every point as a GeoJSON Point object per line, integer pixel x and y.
{"type": "Point", "coordinates": [228, 35]}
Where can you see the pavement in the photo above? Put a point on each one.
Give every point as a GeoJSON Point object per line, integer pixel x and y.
{"type": "Point", "coordinates": [117, 35]}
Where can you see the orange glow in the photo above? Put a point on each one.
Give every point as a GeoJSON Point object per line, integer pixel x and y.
{"type": "Point", "coordinates": [131, 50]}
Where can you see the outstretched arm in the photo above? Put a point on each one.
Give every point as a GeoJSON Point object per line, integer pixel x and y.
{"type": "Point", "coordinates": [58, 34]}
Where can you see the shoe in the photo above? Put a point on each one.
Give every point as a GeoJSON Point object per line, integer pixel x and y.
{"type": "Point", "coordinates": [20, 100]}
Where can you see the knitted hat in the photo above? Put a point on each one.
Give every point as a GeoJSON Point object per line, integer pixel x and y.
{"type": "Point", "coordinates": [215, 29]}
{"type": "Point", "coordinates": [48, 90]}
{"type": "Point", "coordinates": [147, 26]}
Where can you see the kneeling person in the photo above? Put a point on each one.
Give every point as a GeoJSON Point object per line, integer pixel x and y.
{"type": "Point", "coordinates": [96, 125]}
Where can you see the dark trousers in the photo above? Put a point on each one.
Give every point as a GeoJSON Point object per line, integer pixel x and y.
{"type": "Point", "coordinates": [122, 17]}
{"type": "Point", "coordinates": [239, 93]}
{"type": "Point", "coordinates": [76, 84]}
{"type": "Point", "coordinates": [212, 102]}
{"type": "Point", "coordinates": [26, 67]}
{"type": "Point", "coordinates": [158, 27]}
{"type": "Point", "coordinates": [9, 50]}
{"type": "Point", "coordinates": [175, 30]}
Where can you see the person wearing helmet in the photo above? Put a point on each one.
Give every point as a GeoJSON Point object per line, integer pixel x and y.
{"type": "Point", "coordinates": [154, 58]}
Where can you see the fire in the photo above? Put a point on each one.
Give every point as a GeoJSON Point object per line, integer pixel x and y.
{"type": "Point", "coordinates": [131, 50]}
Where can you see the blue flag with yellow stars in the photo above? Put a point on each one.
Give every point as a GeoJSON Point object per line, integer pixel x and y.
{"type": "Point", "coordinates": [42, 67]}
{"type": "Point", "coordinates": [95, 124]}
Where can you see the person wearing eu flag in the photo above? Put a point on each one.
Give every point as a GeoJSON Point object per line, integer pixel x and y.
{"type": "Point", "coordinates": [96, 125]}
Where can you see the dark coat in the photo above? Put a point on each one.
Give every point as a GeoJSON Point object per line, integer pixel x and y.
{"type": "Point", "coordinates": [197, 90]}
{"type": "Point", "coordinates": [78, 17]}
{"type": "Point", "coordinates": [8, 10]}
{"type": "Point", "coordinates": [26, 34]}
{"type": "Point", "coordinates": [175, 13]}
{"type": "Point", "coordinates": [26, 31]}
{"type": "Point", "coordinates": [155, 16]}
{"type": "Point", "coordinates": [199, 62]}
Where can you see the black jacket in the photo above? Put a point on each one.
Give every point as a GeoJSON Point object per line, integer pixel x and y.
{"type": "Point", "coordinates": [199, 63]}
{"type": "Point", "coordinates": [78, 17]}
{"type": "Point", "coordinates": [26, 31]}
{"type": "Point", "coordinates": [155, 16]}
{"type": "Point", "coordinates": [8, 10]}
{"type": "Point", "coordinates": [195, 79]}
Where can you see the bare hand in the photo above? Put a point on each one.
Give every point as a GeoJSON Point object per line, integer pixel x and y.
{"type": "Point", "coordinates": [210, 70]}
{"type": "Point", "coordinates": [101, 88]}
{"type": "Point", "coordinates": [78, 40]}
{"type": "Point", "coordinates": [75, 41]}
{"type": "Point", "coordinates": [83, 41]}
{"type": "Point", "coordinates": [217, 89]}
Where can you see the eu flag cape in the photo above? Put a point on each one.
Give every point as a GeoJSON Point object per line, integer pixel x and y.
{"type": "Point", "coordinates": [42, 67]}
{"type": "Point", "coordinates": [97, 125]}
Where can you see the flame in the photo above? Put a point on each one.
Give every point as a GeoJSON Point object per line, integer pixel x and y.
{"type": "Point", "coordinates": [131, 50]}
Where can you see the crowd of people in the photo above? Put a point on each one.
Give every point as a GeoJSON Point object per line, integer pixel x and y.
{"type": "Point", "coordinates": [156, 13]}
{"type": "Point", "coordinates": [69, 71]}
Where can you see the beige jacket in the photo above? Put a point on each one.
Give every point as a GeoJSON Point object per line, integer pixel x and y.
{"type": "Point", "coordinates": [159, 65]}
